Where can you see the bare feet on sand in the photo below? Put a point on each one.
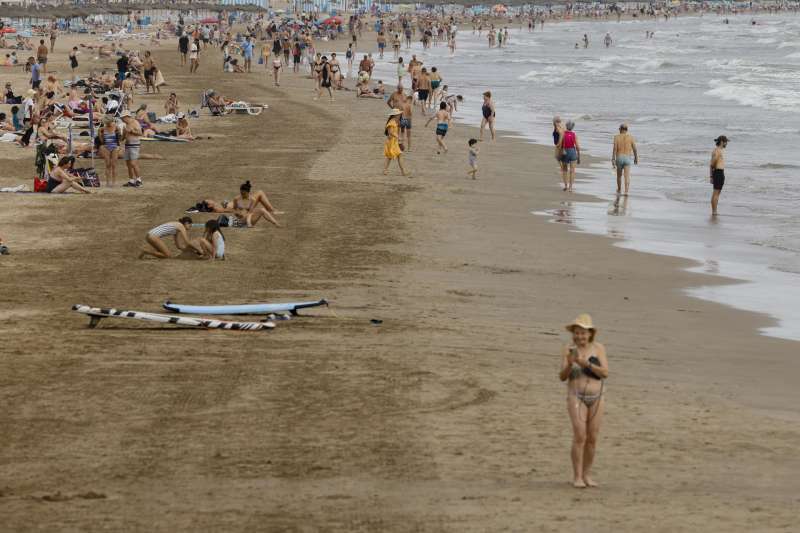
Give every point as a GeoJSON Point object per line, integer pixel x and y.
{"type": "Point", "coordinates": [589, 481]}
{"type": "Point", "coordinates": [579, 484]}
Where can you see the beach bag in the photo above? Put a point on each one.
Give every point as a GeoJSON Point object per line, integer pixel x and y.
{"type": "Point", "coordinates": [152, 117]}
{"type": "Point", "coordinates": [89, 177]}
{"type": "Point", "coordinates": [224, 221]}
{"type": "Point", "coordinates": [261, 60]}
{"type": "Point", "coordinates": [159, 79]}
{"type": "Point", "coordinates": [39, 184]}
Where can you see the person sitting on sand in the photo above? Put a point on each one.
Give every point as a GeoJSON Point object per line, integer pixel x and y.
{"type": "Point", "coordinates": [251, 208]}
{"type": "Point", "coordinates": [213, 241]}
{"type": "Point", "coordinates": [182, 129]}
{"type": "Point", "coordinates": [148, 128]}
{"type": "Point", "coordinates": [171, 106]}
{"type": "Point", "coordinates": [59, 180]}
{"type": "Point", "coordinates": [179, 230]}
{"type": "Point", "coordinates": [584, 367]}
{"type": "Point", "coordinates": [363, 90]}
{"type": "Point", "coordinates": [51, 85]}
{"type": "Point", "coordinates": [216, 103]}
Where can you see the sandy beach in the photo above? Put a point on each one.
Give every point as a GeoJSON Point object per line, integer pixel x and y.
{"type": "Point", "coordinates": [447, 416]}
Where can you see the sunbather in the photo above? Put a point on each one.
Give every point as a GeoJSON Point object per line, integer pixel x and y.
{"type": "Point", "coordinates": [251, 208]}
{"type": "Point", "coordinates": [216, 103]}
{"type": "Point", "coordinates": [171, 106]}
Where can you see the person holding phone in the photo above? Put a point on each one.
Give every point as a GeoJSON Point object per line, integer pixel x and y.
{"type": "Point", "coordinates": [584, 367]}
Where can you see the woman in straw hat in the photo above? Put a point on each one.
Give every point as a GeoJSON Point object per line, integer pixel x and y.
{"type": "Point", "coordinates": [584, 367]}
{"type": "Point", "coordinates": [391, 147]}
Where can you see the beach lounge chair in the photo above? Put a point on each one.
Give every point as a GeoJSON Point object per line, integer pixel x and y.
{"type": "Point", "coordinates": [245, 108]}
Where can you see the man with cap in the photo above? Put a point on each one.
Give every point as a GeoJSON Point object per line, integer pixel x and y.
{"type": "Point", "coordinates": [623, 156]}
{"type": "Point", "coordinates": [717, 170]}
{"type": "Point", "coordinates": [131, 133]}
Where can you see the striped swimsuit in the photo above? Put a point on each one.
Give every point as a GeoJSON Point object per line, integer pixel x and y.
{"type": "Point", "coordinates": [164, 230]}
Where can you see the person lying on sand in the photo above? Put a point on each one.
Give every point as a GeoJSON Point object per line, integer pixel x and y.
{"type": "Point", "coordinates": [5, 125]}
{"type": "Point", "coordinates": [60, 180]}
{"type": "Point", "coordinates": [179, 230]}
{"type": "Point", "coordinates": [250, 208]}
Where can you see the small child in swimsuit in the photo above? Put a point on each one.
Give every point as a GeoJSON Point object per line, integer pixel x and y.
{"type": "Point", "coordinates": [473, 158]}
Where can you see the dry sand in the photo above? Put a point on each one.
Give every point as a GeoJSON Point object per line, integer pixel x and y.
{"type": "Point", "coordinates": [447, 417]}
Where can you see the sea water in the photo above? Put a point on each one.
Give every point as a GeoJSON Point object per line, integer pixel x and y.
{"type": "Point", "coordinates": [695, 79]}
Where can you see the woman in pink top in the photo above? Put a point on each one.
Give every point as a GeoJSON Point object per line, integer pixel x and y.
{"type": "Point", "coordinates": [571, 150]}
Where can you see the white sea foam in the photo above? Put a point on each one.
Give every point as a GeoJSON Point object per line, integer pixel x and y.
{"type": "Point", "coordinates": [755, 95]}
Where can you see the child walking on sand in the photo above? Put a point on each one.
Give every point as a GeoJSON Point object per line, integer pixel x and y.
{"type": "Point", "coordinates": [473, 158]}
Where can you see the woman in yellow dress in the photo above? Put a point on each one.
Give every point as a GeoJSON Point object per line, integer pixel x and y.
{"type": "Point", "coordinates": [391, 147]}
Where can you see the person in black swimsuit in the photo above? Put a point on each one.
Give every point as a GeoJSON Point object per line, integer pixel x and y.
{"type": "Point", "coordinates": [325, 77]}
{"type": "Point", "coordinates": [488, 112]}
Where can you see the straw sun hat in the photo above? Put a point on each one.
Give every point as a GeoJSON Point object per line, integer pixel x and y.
{"type": "Point", "coordinates": [394, 112]}
{"type": "Point", "coordinates": [583, 321]}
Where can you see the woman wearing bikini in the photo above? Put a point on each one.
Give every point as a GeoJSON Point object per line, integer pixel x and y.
{"type": "Point", "coordinates": [584, 367]}
{"type": "Point", "coordinates": [250, 209]}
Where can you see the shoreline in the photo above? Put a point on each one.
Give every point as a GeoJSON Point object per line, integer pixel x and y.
{"type": "Point", "coordinates": [451, 407]}
{"type": "Point", "coordinates": [760, 277]}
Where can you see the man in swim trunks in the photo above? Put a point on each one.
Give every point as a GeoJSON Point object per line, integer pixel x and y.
{"type": "Point", "coordinates": [405, 121]}
{"type": "Point", "coordinates": [717, 170]}
{"type": "Point", "coordinates": [396, 99]}
{"type": "Point", "coordinates": [41, 55]}
{"type": "Point", "coordinates": [132, 134]}
{"type": "Point", "coordinates": [623, 156]}
{"type": "Point", "coordinates": [443, 120]}
{"type": "Point", "coordinates": [424, 89]}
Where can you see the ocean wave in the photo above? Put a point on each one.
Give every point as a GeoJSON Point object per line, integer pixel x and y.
{"type": "Point", "coordinates": [753, 95]}
{"type": "Point", "coordinates": [795, 55]}
{"type": "Point", "coordinates": [724, 63]}
{"type": "Point", "coordinates": [766, 41]}
{"type": "Point", "coordinates": [789, 44]}
{"type": "Point", "coordinates": [529, 76]}
{"type": "Point", "coordinates": [777, 166]}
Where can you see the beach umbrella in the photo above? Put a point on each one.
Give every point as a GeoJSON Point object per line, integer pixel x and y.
{"type": "Point", "coordinates": [209, 20]}
{"type": "Point", "coordinates": [330, 21]}
{"type": "Point", "coordinates": [91, 125]}
{"type": "Point", "coordinates": [8, 30]}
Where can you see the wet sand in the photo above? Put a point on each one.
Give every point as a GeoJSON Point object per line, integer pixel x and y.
{"type": "Point", "coordinates": [447, 416]}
